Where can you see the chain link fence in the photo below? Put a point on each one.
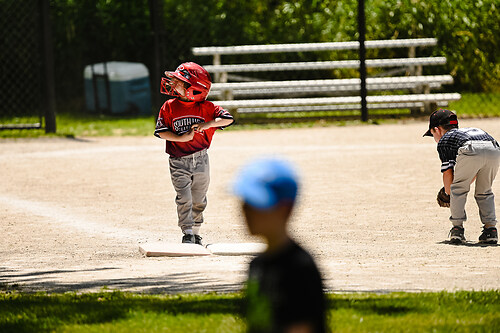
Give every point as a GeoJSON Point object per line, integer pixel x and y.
{"type": "Point", "coordinates": [21, 64]}
{"type": "Point", "coordinates": [161, 34]}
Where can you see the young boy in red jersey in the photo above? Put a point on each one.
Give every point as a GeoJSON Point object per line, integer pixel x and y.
{"type": "Point", "coordinates": [187, 123]}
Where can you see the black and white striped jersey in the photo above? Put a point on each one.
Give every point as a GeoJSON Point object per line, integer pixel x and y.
{"type": "Point", "coordinates": [454, 139]}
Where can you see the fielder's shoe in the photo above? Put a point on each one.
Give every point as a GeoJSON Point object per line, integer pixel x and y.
{"type": "Point", "coordinates": [188, 239]}
{"type": "Point", "coordinates": [489, 236]}
{"type": "Point", "coordinates": [457, 235]}
{"type": "Point", "coordinates": [197, 239]}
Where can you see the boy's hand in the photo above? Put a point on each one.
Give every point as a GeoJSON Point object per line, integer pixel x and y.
{"type": "Point", "coordinates": [188, 136]}
{"type": "Point", "coordinates": [443, 199]}
{"type": "Point", "coordinates": [200, 127]}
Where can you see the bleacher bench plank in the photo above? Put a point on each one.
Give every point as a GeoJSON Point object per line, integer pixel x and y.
{"type": "Point", "coordinates": [317, 65]}
{"type": "Point", "coordinates": [327, 85]}
{"type": "Point", "coordinates": [302, 47]}
{"type": "Point", "coordinates": [338, 107]}
{"type": "Point", "coordinates": [235, 104]}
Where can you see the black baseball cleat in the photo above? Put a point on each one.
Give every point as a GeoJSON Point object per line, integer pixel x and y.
{"type": "Point", "coordinates": [489, 236]}
{"type": "Point", "coordinates": [197, 239]}
{"type": "Point", "coordinates": [189, 239]}
{"type": "Point", "coordinates": [457, 235]}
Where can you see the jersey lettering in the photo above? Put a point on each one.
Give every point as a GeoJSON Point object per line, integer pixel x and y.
{"type": "Point", "coordinates": [183, 125]}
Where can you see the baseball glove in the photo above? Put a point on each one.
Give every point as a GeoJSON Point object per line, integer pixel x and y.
{"type": "Point", "coordinates": [443, 199]}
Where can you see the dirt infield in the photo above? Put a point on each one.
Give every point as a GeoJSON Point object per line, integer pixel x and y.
{"type": "Point", "coordinates": [72, 212]}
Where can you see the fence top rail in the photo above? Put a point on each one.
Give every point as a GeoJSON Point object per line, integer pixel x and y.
{"type": "Point", "coordinates": [301, 47]}
{"type": "Point", "coordinates": [313, 65]}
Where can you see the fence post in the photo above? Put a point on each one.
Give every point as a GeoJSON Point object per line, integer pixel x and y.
{"type": "Point", "coordinates": [362, 58]}
{"type": "Point", "coordinates": [48, 68]}
{"type": "Point", "coordinates": [157, 27]}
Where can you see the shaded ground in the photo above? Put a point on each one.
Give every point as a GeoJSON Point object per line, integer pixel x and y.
{"type": "Point", "coordinates": [72, 212]}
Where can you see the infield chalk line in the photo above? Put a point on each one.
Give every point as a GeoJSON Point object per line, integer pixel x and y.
{"type": "Point", "coordinates": [65, 216]}
{"type": "Point", "coordinates": [83, 151]}
{"type": "Point", "coordinates": [320, 147]}
{"type": "Point", "coordinates": [268, 148]}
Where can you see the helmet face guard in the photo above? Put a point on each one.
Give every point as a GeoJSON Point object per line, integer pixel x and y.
{"type": "Point", "coordinates": [169, 84]}
{"type": "Point", "coordinates": [197, 82]}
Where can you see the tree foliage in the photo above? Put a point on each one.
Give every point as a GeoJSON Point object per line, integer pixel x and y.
{"type": "Point", "coordinates": [89, 31]}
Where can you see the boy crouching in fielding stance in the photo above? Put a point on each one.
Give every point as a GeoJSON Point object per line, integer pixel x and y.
{"type": "Point", "coordinates": [467, 154]}
{"type": "Point", "coordinates": [188, 123]}
{"type": "Point", "coordinates": [284, 292]}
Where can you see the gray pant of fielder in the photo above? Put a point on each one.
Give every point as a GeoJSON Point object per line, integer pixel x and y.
{"type": "Point", "coordinates": [478, 159]}
{"type": "Point", "coordinates": [190, 177]}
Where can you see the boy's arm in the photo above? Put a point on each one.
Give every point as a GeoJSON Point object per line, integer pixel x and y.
{"type": "Point", "coordinates": [171, 136]}
{"type": "Point", "coordinates": [217, 122]}
{"type": "Point", "coordinates": [447, 180]}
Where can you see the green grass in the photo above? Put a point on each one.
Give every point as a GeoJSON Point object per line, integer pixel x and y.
{"type": "Point", "coordinates": [84, 124]}
{"type": "Point", "coordinates": [424, 312]}
{"type": "Point", "coordinates": [478, 105]}
{"type": "Point", "coordinates": [463, 311]}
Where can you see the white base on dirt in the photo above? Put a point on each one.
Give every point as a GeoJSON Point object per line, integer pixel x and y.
{"type": "Point", "coordinates": [235, 249]}
{"type": "Point", "coordinates": [163, 249]}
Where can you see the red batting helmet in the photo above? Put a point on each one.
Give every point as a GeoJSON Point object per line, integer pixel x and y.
{"type": "Point", "coordinates": [196, 77]}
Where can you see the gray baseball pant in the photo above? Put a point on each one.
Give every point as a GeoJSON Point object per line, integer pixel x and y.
{"type": "Point", "coordinates": [190, 176]}
{"type": "Point", "coordinates": [478, 159]}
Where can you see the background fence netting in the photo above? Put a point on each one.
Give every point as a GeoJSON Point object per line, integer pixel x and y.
{"type": "Point", "coordinates": [21, 64]}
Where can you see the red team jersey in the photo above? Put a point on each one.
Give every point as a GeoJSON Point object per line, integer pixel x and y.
{"type": "Point", "coordinates": [177, 116]}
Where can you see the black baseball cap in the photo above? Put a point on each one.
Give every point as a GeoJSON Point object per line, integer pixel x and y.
{"type": "Point", "coordinates": [441, 117]}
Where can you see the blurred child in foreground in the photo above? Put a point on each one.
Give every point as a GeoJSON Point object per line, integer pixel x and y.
{"type": "Point", "coordinates": [284, 291]}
